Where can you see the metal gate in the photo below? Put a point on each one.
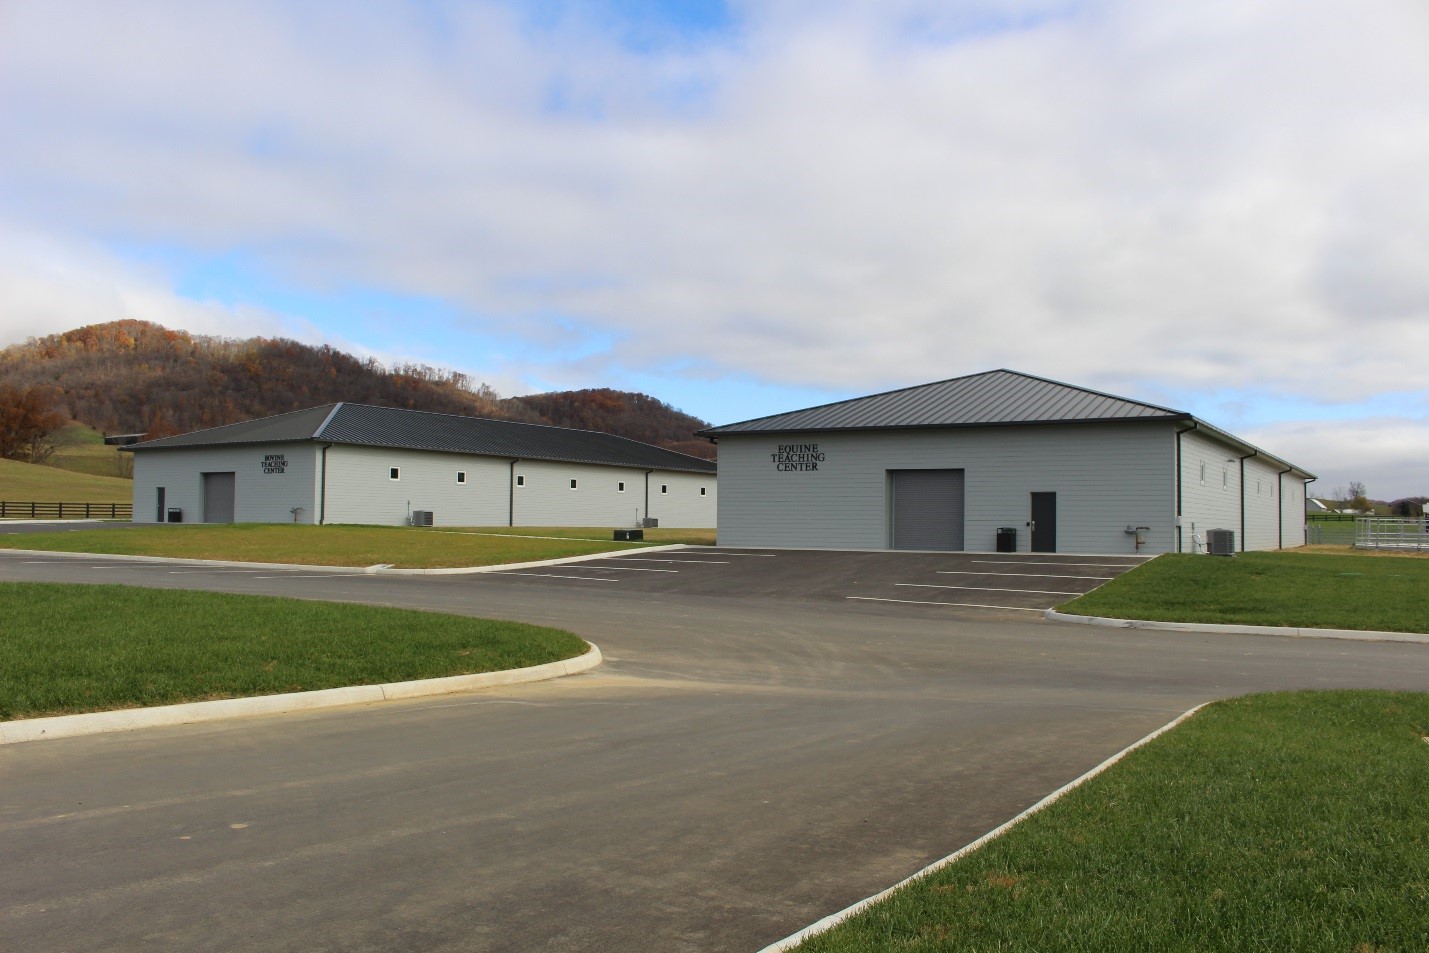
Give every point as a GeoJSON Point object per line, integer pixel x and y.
{"type": "Point", "coordinates": [218, 495]}
{"type": "Point", "coordinates": [927, 509]}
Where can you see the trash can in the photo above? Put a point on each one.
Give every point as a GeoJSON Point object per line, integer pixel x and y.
{"type": "Point", "coordinates": [176, 514]}
{"type": "Point", "coordinates": [1007, 539]}
{"type": "Point", "coordinates": [629, 535]}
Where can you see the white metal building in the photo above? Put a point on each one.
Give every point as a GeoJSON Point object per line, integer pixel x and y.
{"type": "Point", "coordinates": [955, 464]}
{"type": "Point", "coordinates": [352, 463]}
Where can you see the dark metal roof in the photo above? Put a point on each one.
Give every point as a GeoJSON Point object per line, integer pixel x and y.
{"type": "Point", "coordinates": [368, 426]}
{"type": "Point", "coordinates": [990, 398]}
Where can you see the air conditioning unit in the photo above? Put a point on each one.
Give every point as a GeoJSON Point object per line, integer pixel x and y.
{"type": "Point", "coordinates": [650, 522]}
{"type": "Point", "coordinates": [1220, 542]}
{"type": "Point", "coordinates": [421, 517]}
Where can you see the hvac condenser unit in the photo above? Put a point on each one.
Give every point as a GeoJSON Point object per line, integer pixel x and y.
{"type": "Point", "coordinates": [421, 517]}
{"type": "Point", "coordinates": [1220, 542]}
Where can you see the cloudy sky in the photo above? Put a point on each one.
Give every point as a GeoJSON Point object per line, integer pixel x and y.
{"type": "Point", "coordinates": [744, 208]}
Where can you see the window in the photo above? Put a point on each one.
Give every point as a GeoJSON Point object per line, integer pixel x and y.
{"type": "Point", "coordinates": [573, 484]}
{"type": "Point", "coordinates": [664, 488]}
{"type": "Point", "coordinates": [1225, 477]}
{"type": "Point", "coordinates": [395, 473]}
{"type": "Point", "coordinates": [620, 487]}
{"type": "Point", "coordinates": [1257, 488]}
{"type": "Point", "coordinates": [702, 491]}
{"type": "Point", "coordinates": [520, 479]}
{"type": "Point", "coordinates": [1203, 473]}
{"type": "Point", "coordinates": [461, 476]}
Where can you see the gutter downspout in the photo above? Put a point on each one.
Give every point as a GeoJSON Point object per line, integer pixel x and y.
{"type": "Point", "coordinates": [646, 514]}
{"type": "Point", "coordinates": [1305, 533]}
{"type": "Point", "coordinates": [511, 495]}
{"type": "Point", "coordinates": [322, 491]}
{"type": "Point", "coordinates": [1193, 426]}
{"type": "Point", "coordinates": [1253, 453]}
{"type": "Point", "coordinates": [1280, 507]}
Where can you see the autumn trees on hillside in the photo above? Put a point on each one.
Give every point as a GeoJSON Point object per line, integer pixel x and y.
{"type": "Point", "coordinates": [28, 423]}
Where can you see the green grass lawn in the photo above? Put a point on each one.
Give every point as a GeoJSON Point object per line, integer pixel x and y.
{"type": "Point", "coordinates": [403, 546]}
{"type": "Point", "coordinates": [70, 648]}
{"type": "Point", "coordinates": [1274, 822]}
{"type": "Point", "coordinates": [83, 450]}
{"type": "Point", "coordinates": [30, 483]}
{"type": "Point", "coordinates": [1277, 588]}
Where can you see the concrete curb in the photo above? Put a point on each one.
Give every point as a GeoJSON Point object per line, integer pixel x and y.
{"type": "Point", "coordinates": [1299, 633]}
{"type": "Point", "coordinates": [834, 919]}
{"type": "Point", "coordinates": [93, 723]}
{"type": "Point", "coordinates": [383, 569]}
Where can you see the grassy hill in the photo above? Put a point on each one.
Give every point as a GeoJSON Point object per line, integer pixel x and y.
{"type": "Point", "coordinates": [27, 482]}
{"type": "Point", "coordinates": [82, 450]}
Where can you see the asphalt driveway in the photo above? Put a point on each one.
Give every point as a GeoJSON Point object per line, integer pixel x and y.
{"type": "Point", "coordinates": [753, 756]}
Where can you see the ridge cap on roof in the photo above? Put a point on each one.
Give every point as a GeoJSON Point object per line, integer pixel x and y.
{"type": "Point", "coordinates": [962, 377]}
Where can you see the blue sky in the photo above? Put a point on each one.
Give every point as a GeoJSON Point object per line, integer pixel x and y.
{"type": "Point", "coordinates": [745, 208]}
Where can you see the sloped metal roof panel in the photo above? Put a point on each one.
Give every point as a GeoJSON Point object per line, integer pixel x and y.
{"type": "Point", "coordinates": [370, 426]}
{"type": "Point", "coordinates": [295, 425]}
{"type": "Point", "coordinates": [994, 397]}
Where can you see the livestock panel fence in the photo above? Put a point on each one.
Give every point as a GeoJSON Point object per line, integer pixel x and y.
{"type": "Point", "coordinates": [10, 510]}
{"type": "Point", "coordinates": [1392, 532]}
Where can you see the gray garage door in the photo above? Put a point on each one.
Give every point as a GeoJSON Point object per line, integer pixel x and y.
{"type": "Point", "coordinates": [218, 492]}
{"type": "Point", "coordinates": [927, 509]}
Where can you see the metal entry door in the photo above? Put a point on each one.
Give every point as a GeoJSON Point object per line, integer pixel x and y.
{"type": "Point", "coordinates": [927, 509]}
{"type": "Point", "coordinates": [218, 494]}
{"type": "Point", "coordinates": [1044, 523]}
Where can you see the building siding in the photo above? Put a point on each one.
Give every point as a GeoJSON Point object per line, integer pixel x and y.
{"type": "Point", "coordinates": [1215, 502]}
{"type": "Point", "coordinates": [1106, 477]}
{"type": "Point", "coordinates": [259, 497]}
{"type": "Point", "coordinates": [359, 489]}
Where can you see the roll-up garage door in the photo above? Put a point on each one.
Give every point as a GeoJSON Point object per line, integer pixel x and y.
{"type": "Point", "coordinates": [218, 494]}
{"type": "Point", "coordinates": [927, 509]}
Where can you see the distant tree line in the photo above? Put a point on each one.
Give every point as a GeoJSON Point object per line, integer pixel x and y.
{"type": "Point", "coordinates": [137, 377]}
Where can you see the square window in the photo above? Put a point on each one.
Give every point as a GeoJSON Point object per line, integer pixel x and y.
{"type": "Point", "coordinates": [573, 484]}
{"type": "Point", "coordinates": [394, 473]}
{"type": "Point", "coordinates": [461, 476]}
{"type": "Point", "coordinates": [520, 480]}
{"type": "Point", "coordinates": [620, 487]}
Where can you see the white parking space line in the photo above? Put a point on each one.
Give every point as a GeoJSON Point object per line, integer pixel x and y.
{"type": "Point", "coordinates": [619, 569]}
{"type": "Point", "coordinates": [1028, 562]}
{"type": "Point", "coordinates": [715, 552]}
{"type": "Point", "coordinates": [1037, 592]}
{"type": "Point", "coordinates": [551, 575]}
{"type": "Point", "coordinates": [642, 559]}
{"type": "Point", "coordinates": [1038, 575]}
{"type": "Point", "coordinates": [961, 605]}
{"type": "Point", "coordinates": [212, 572]}
{"type": "Point", "coordinates": [315, 575]}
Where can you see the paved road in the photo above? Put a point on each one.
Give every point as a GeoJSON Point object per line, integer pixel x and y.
{"type": "Point", "coordinates": [745, 762]}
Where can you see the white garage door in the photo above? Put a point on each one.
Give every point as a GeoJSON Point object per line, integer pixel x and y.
{"type": "Point", "coordinates": [927, 509]}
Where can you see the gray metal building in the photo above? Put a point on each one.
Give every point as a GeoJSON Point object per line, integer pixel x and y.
{"type": "Point", "coordinates": [955, 464]}
{"type": "Point", "coordinates": [353, 463]}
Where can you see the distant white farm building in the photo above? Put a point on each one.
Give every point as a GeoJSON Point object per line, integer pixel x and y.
{"type": "Point", "coordinates": [353, 463]}
{"type": "Point", "coordinates": [1000, 460]}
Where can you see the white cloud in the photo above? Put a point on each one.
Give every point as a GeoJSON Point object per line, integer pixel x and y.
{"type": "Point", "coordinates": [1138, 197]}
{"type": "Point", "coordinates": [1386, 454]}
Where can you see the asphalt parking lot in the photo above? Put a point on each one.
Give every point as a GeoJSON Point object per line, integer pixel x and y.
{"type": "Point", "coordinates": [1028, 582]}
{"type": "Point", "coordinates": [758, 751]}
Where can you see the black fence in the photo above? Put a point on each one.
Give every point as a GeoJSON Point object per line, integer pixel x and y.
{"type": "Point", "coordinates": [66, 511]}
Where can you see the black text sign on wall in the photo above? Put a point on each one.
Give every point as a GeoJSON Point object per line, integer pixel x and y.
{"type": "Point", "coordinates": [794, 457]}
{"type": "Point", "coordinates": [275, 463]}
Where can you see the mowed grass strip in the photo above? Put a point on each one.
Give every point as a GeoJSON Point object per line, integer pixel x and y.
{"type": "Point", "coordinates": [1315, 590]}
{"type": "Point", "coordinates": [75, 648]}
{"type": "Point", "coordinates": [402, 546]}
{"type": "Point", "coordinates": [1291, 821]}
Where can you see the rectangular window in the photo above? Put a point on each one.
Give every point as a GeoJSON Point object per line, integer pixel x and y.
{"type": "Point", "coordinates": [395, 473]}
{"type": "Point", "coordinates": [1225, 477]}
{"type": "Point", "coordinates": [621, 486]}
{"type": "Point", "coordinates": [1257, 488]}
{"type": "Point", "coordinates": [573, 484]}
{"type": "Point", "coordinates": [1203, 473]}
{"type": "Point", "coordinates": [664, 488]}
{"type": "Point", "coordinates": [520, 479]}
{"type": "Point", "coordinates": [702, 491]}
{"type": "Point", "coordinates": [461, 476]}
